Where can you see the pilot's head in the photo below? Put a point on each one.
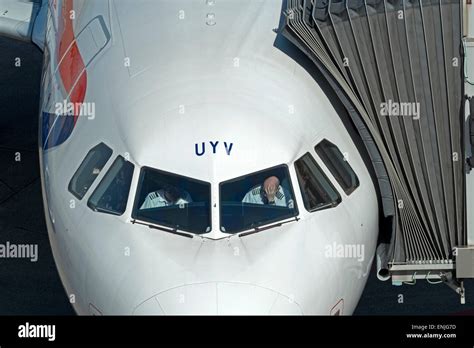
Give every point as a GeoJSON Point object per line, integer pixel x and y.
{"type": "Point", "coordinates": [270, 188]}
{"type": "Point", "coordinates": [172, 193]}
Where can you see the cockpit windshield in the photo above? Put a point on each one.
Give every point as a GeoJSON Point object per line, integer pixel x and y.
{"type": "Point", "coordinates": [256, 199]}
{"type": "Point", "coordinates": [173, 201]}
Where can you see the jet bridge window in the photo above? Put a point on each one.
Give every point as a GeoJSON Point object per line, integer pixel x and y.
{"type": "Point", "coordinates": [257, 199]}
{"type": "Point", "coordinates": [89, 169]}
{"type": "Point", "coordinates": [174, 201]}
{"type": "Point", "coordinates": [338, 166]}
{"type": "Point", "coordinates": [317, 191]}
{"type": "Point", "coordinates": [111, 195]}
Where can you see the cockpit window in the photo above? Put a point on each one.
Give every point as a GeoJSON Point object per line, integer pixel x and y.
{"type": "Point", "coordinates": [173, 201]}
{"type": "Point", "coordinates": [111, 195]}
{"type": "Point", "coordinates": [256, 199]}
{"type": "Point", "coordinates": [338, 166]}
{"type": "Point", "coordinates": [89, 169]}
{"type": "Point", "coordinates": [317, 191]}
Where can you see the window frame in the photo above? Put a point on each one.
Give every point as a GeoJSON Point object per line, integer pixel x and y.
{"type": "Point", "coordinates": [140, 185]}
{"type": "Point", "coordinates": [69, 187]}
{"type": "Point", "coordinates": [283, 165]}
{"type": "Point", "coordinates": [325, 206]}
{"type": "Point", "coordinates": [94, 208]}
{"type": "Point", "coordinates": [333, 170]}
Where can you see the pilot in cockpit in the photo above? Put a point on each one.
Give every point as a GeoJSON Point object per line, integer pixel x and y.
{"type": "Point", "coordinates": [270, 192]}
{"type": "Point", "coordinates": [168, 195]}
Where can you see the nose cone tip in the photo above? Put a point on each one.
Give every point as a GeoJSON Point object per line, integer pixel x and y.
{"type": "Point", "coordinates": [218, 298]}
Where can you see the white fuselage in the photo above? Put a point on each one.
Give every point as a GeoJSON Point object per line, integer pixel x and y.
{"type": "Point", "coordinates": [165, 81]}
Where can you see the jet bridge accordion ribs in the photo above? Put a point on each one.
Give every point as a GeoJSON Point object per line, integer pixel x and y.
{"type": "Point", "coordinates": [398, 65]}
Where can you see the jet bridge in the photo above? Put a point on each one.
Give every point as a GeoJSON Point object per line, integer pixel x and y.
{"type": "Point", "coordinates": [398, 67]}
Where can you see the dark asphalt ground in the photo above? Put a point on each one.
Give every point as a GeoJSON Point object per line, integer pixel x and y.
{"type": "Point", "coordinates": [28, 288]}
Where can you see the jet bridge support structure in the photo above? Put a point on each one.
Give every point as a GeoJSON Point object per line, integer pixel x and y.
{"type": "Point", "coordinates": [398, 66]}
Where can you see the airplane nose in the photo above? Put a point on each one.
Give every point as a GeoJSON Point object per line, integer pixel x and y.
{"type": "Point", "coordinates": [219, 298]}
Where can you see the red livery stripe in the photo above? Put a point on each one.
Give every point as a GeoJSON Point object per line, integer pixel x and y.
{"type": "Point", "coordinates": [72, 68]}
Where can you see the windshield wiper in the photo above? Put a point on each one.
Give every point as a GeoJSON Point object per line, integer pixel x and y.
{"type": "Point", "coordinates": [164, 229]}
{"type": "Point", "coordinates": [325, 206]}
{"type": "Point", "coordinates": [259, 229]}
{"type": "Point", "coordinates": [104, 210]}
